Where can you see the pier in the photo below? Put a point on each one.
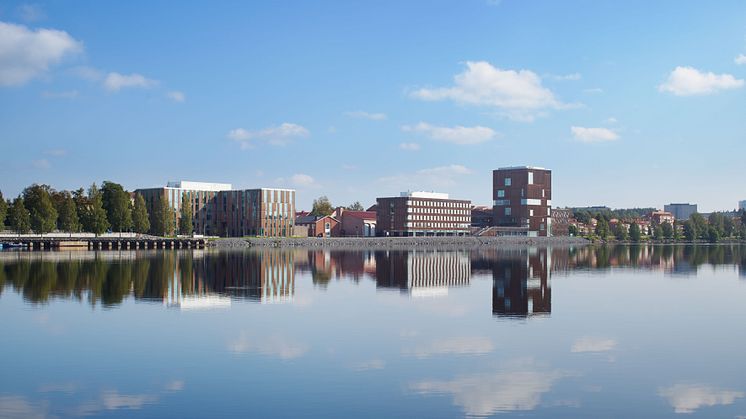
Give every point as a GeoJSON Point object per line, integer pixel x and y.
{"type": "Point", "coordinates": [105, 243]}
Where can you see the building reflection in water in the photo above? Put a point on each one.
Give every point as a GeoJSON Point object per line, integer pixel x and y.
{"type": "Point", "coordinates": [422, 273]}
{"type": "Point", "coordinates": [521, 284]}
{"type": "Point", "coordinates": [204, 279]}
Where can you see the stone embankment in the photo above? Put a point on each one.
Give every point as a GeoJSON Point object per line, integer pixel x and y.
{"type": "Point", "coordinates": [397, 242]}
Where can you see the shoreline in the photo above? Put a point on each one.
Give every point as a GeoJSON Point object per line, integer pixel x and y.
{"type": "Point", "coordinates": [465, 242]}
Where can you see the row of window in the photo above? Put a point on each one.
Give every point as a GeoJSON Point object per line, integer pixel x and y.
{"type": "Point", "coordinates": [437, 225]}
{"type": "Point", "coordinates": [439, 204]}
{"type": "Point", "coordinates": [417, 217]}
{"type": "Point", "coordinates": [438, 211]}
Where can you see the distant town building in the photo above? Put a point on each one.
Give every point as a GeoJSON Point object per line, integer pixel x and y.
{"type": "Point", "coordinates": [523, 199]}
{"type": "Point", "coordinates": [422, 214]}
{"type": "Point", "coordinates": [219, 210]}
{"type": "Point", "coordinates": [681, 212]}
{"type": "Point", "coordinates": [742, 205]}
{"type": "Point", "coordinates": [660, 217]}
{"type": "Point", "coordinates": [561, 221]}
{"type": "Point", "coordinates": [482, 216]}
{"type": "Point", "coordinates": [356, 223]}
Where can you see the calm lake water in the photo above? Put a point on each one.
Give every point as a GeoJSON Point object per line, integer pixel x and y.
{"type": "Point", "coordinates": [533, 332]}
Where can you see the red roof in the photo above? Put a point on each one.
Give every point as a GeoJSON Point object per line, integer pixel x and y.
{"type": "Point", "coordinates": [365, 215]}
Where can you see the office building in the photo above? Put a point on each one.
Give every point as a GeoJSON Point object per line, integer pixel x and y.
{"type": "Point", "coordinates": [201, 195]}
{"type": "Point", "coordinates": [422, 214]}
{"type": "Point", "coordinates": [742, 205]}
{"type": "Point", "coordinates": [681, 212]}
{"type": "Point", "coordinates": [523, 199]}
{"type": "Point", "coordinates": [219, 210]}
{"type": "Point", "coordinates": [261, 212]}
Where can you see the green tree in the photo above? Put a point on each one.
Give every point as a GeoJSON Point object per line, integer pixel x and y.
{"type": "Point", "coordinates": [68, 215]}
{"type": "Point", "coordinates": [322, 207]}
{"type": "Point", "coordinates": [116, 202]}
{"type": "Point", "coordinates": [162, 218]}
{"type": "Point", "coordinates": [356, 206]}
{"type": "Point", "coordinates": [572, 230]}
{"type": "Point", "coordinates": [602, 228]}
{"type": "Point", "coordinates": [634, 232]}
{"type": "Point", "coordinates": [700, 225]}
{"type": "Point", "coordinates": [657, 232]}
{"type": "Point", "coordinates": [38, 201]}
{"type": "Point", "coordinates": [713, 235]}
{"type": "Point", "coordinates": [3, 211]}
{"type": "Point", "coordinates": [20, 217]}
{"type": "Point", "coordinates": [140, 219]}
{"type": "Point", "coordinates": [96, 221]}
{"type": "Point", "coordinates": [620, 231]}
{"type": "Point", "coordinates": [690, 230]}
{"type": "Point", "coordinates": [667, 230]}
{"type": "Point", "coordinates": [185, 218]}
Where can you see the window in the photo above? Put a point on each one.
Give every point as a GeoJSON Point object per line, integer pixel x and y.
{"type": "Point", "coordinates": [507, 211]}
{"type": "Point", "coordinates": [508, 181]}
{"type": "Point", "coordinates": [530, 178]}
{"type": "Point", "coordinates": [501, 193]}
{"type": "Point", "coordinates": [531, 212]}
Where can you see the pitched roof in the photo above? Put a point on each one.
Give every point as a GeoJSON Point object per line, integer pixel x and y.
{"type": "Point", "coordinates": [365, 215]}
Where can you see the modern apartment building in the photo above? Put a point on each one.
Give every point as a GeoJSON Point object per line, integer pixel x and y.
{"type": "Point", "coordinates": [422, 214]}
{"type": "Point", "coordinates": [523, 199]}
{"type": "Point", "coordinates": [742, 205]}
{"type": "Point", "coordinates": [681, 212]}
{"type": "Point", "coordinates": [261, 212]}
{"type": "Point", "coordinates": [201, 195]}
{"type": "Point", "coordinates": [220, 210]}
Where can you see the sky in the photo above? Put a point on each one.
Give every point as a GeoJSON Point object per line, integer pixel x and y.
{"type": "Point", "coordinates": [631, 104]}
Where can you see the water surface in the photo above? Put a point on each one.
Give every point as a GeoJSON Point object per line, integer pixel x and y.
{"type": "Point", "coordinates": [640, 331]}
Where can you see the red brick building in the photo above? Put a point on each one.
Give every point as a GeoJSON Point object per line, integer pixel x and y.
{"type": "Point", "coordinates": [523, 199]}
{"type": "Point", "coordinates": [422, 214]}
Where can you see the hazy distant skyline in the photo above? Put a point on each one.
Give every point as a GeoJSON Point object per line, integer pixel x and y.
{"type": "Point", "coordinates": [631, 104]}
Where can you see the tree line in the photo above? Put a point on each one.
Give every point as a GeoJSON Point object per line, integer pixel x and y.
{"type": "Point", "coordinates": [42, 209]}
{"type": "Point", "coordinates": [697, 228]}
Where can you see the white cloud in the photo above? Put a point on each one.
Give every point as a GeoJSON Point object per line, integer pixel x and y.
{"type": "Point", "coordinates": [427, 179]}
{"type": "Point", "coordinates": [26, 54]}
{"type": "Point", "coordinates": [688, 81]}
{"type": "Point", "coordinates": [86, 73]}
{"type": "Point", "coordinates": [518, 94]}
{"type": "Point", "coordinates": [686, 398]}
{"type": "Point", "coordinates": [487, 394]}
{"type": "Point", "coordinates": [611, 120]}
{"type": "Point", "coordinates": [268, 345]}
{"type": "Point", "coordinates": [594, 90]}
{"type": "Point", "coordinates": [454, 346]}
{"type": "Point", "coordinates": [176, 96]}
{"type": "Point", "coordinates": [594, 135]}
{"type": "Point", "coordinates": [740, 60]}
{"type": "Point", "coordinates": [455, 135]}
{"type": "Point", "coordinates": [591, 344]}
{"type": "Point", "coordinates": [30, 12]}
{"type": "Point", "coordinates": [115, 81]}
{"type": "Point", "coordinates": [366, 115]}
{"type": "Point", "coordinates": [301, 179]}
{"type": "Point", "coordinates": [409, 146]}
{"type": "Point", "coordinates": [113, 400]}
{"type": "Point", "coordinates": [278, 135]}
{"type": "Point", "coordinates": [565, 77]}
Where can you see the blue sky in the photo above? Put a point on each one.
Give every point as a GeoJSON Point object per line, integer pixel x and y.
{"type": "Point", "coordinates": [630, 103]}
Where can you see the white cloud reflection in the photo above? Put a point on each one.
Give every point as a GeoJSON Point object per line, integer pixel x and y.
{"type": "Point", "coordinates": [275, 345]}
{"type": "Point", "coordinates": [487, 394]}
{"type": "Point", "coordinates": [686, 398]}
{"type": "Point", "coordinates": [593, 344]}
{"type": "Point", "coordinates": [475, 345]}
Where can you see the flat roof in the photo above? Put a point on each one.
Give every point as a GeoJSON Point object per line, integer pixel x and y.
{"type": "Point", "coordinates": [522, 167]}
